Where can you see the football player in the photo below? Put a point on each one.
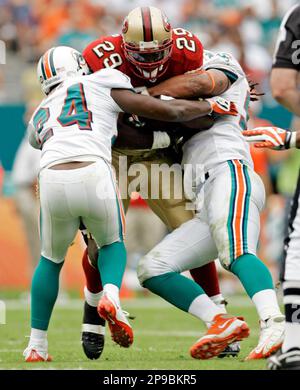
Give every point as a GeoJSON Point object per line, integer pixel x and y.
{"type": "Point", "coordinates": [74, 127]}
{"type": "Point", "coordinates": [229, 197]}
{"type": "Point", "coordinates": [288, 358]}
{"type": "Point", "coordinates": [285, 89]}
{"type": "Point", "coordinates": [149, 51]}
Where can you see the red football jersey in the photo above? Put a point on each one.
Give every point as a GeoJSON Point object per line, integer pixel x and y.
{"type": "Point", "coordinates": [107, 52]}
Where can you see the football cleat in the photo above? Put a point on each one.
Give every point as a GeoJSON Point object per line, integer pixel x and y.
{"type": "Point", "coordinates": [225, 329]}
{"type": "Point", "coordinates": [36, 355]}
{"type": "Point", "coordinates": [92, 332]}
{"type": "Point", "coordinates": [121, 330]}
{"type": "Point", "coordinates": [232, 349]}
{"type": "Point", "coordinates": [271, 338]}
{"type": "Point", "coordinates": [289, 360]}
{"type": "Point", "coordinates": [92, 340]}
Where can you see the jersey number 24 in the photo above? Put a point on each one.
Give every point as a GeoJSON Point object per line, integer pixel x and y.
{"type": "Point", "coordinates": [74, 111]}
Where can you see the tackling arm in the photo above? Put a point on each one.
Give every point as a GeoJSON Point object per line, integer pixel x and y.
{"type": "Point", "coordinates": [193, 84]}
{"type": "Point", "coordinates": [170, 111]}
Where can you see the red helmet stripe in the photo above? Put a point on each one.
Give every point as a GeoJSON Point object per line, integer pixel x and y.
{"type": "Point", "coordinates": [147, 24]}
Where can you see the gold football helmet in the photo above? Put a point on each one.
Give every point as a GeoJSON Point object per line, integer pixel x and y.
{"type": "Point", "coordinates": [147, 41]}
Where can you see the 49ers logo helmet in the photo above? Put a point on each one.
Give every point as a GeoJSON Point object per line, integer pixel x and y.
{"type": "Point", "coordinates": [147, 41]}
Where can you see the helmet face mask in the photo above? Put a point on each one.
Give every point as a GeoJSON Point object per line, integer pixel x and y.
{"type": "Point", "coordinates": [147, 41]}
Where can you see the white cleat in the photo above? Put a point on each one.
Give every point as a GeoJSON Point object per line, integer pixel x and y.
{"type": "Point", "coordinates": [35, 353]}
{"type": "Point", "coordinates": [271, 338]}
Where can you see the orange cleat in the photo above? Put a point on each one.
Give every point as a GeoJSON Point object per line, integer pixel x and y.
{"type": "Point", "coordinates": [33, 356]}
{"type": "Point", "coordinates": [121, 330]}
{"type": "Point", "coordinates": [225, 329]}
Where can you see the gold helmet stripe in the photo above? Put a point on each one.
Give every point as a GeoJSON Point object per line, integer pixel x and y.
{"type": "Point", "coordinates": [147, 24]}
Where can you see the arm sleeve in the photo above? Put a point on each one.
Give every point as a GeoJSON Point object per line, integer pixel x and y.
{"type": "Point", "coordinates": [112, 79]}
{"type": "Point", "coordinates": [225, 63]}
{"type": "Point", "coordinates": [287, 51]}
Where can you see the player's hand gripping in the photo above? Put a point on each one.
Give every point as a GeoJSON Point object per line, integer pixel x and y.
{"type": "Point", "coordinates": [222, 106]}
{"type": "Point", "coordinates": [271, 137]}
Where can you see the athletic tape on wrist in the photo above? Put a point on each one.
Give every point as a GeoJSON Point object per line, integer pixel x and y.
{"type": "Point", "coordinates": [161, 140]}
{"type": "Point", "coordinates": [293, 140]}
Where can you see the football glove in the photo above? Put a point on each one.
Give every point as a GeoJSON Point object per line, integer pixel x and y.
{"type": "Point", "coordinates": [271, 137]}
{"type": "Point", "coordinates": [220, 106]}
{"type": "Point", "coordinates": [133, 120]}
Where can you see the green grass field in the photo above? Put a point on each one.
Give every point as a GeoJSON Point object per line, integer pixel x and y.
{"type": "Point", "coordinates": [163, 336]}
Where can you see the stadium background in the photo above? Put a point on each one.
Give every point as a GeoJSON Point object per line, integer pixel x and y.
{"type": "Point", "coordinates": [247, 29]}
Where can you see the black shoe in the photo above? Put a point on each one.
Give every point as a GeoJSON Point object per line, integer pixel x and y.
{"type": "Point", "coordinates": [92, 344]}
{"type": "Point", "coordinates": [92, 335]}
{"type": "Point", "coordinates": [232, 349]}
{"type": "Point", "coordinates": [289, 360]}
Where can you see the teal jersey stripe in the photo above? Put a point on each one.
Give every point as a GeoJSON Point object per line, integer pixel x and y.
{"type": "Point", "coordinates": [52, 63]}
{"type": "Point", "coordinates": [246, 209]}
{"type": "Point", "coordinates": [231, 211]}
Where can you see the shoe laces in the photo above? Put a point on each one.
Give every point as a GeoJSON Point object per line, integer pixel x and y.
{"type": "Point", "coordinates": [272, 326]}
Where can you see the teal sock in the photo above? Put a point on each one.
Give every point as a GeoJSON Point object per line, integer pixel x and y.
{"type": "Point", "coordinates": [175, 288]}
{"type": "Point", "coordinates": [112, 263]}
{"type": "Point", "coordinates": [253, 274]}
{"type": "Point", "coordinates": [44, 290]}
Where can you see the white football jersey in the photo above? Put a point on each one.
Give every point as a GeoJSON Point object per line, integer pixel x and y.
{"type": "Point", "coordinates": [78, 120]}
{"type": "Point", "coordinates": [224, 140]}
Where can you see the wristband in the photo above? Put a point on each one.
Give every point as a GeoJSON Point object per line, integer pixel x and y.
{"type": "Point", "coordinates": [293, 140]}
{"type": "Point", "coordinates": [161, 140]}
{"type": "Point", "coordinates": [211, 103]}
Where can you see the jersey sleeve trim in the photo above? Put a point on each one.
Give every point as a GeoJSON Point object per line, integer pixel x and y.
{"type": "Point", "coordinates": [231, 75]}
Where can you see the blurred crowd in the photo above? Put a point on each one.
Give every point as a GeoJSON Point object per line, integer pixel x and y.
{"type": "Point", "coordinates": [246, 28]}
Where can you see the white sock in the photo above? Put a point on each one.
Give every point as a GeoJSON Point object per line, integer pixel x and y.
{"type": "Point", "coordinates": [113, 291]}
{"type": "Point", "coordinates": [266, 304]}
{"type": "Point", "coordinates": [292, 336]}
{"type": "Point", "coordinates": [91, 298]}
{"type": "Point", "coordinates": [204, 308]}
{"type": "Point", "coordinates": [38, 337]}
{"type": "Point", "coordinates": [220, 302]}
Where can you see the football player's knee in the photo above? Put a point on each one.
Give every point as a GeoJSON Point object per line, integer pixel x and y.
{"type": "Point", "coordinates": [55, 254]}
{"type": "Point", "coordinates": [57, 259]}
{"type": "Point", "coordinates": [225, 262]}
{"type": "Point", "coordinates": [153, 265]}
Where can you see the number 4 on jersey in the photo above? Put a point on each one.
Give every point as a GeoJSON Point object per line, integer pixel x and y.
{"type": "Point", "coordinates": [75, 110]}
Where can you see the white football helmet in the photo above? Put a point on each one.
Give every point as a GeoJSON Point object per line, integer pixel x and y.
{"type": "Point", "coordinates": [58, 64]}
